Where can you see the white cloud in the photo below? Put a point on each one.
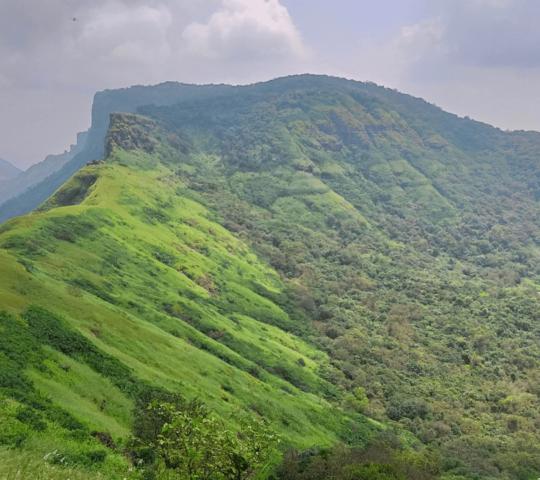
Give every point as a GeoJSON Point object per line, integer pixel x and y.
{"type": "Point", "coordinates": [415, 41]}
{"type": "Point", "coordinates": [389, 62]}
{"type": "Point", "coordinates": [246, 29]}
{"type": "Point", "coordinates": [124, 34]}
{"type": "Point", "coordinates": [491, 33]}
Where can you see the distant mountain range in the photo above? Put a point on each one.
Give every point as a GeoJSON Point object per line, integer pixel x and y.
{"type": "Point", "coordinates": [18, 184]}
{"type": "Point", "coordinates": [7, 172]}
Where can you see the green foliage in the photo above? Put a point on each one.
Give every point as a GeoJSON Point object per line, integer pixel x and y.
{"type": "Point", "coordinates": [23, 466]}
{"type": "Point", "coordinates": [52, 330]}
{"type": "Point", "coordinates": [25, 411]}
{"type": "Point", "coordinates": [407, 408]}
{"type": "Point", "coordinates": [69, 228]}
{"type": "Point", "coordinates": [392, 247]}
{"type": "Point", "coordinates": [195, 443]}
{"type": "Point", "coordinates": [90, 287]}
{"type": "Point", "coordinates": [29, 416]}
{"type": "Point", "coordinates": [379, 461]}
{"type": "Point", "coordinates": [375, 471]}
{"type": "Point", "coordinates": [358, 401]}
{"type": "Point", "coordinates": [164, 257]}
{"type": "Point", "coordinates": [73, 193]}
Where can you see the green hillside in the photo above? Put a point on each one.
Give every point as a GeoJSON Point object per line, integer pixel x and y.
{"type": "Point", "coordinates": [166, 297]}
{"type": "Point", "coordinates": [275, 249]}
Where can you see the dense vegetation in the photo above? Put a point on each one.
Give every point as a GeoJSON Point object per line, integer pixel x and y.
{"type": "Point", "coordinates": [415, 254]}
{"type": "Point", "coordinates": [311, 249]}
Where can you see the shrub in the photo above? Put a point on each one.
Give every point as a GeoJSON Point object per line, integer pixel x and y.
{"type": "Point", "coordinates": [358, 401]}
{"type": "Point", "coordinates": [64, 419]}
{"type": "Point", "coordinates": [53, 331]}
{"type": "Point", "coordinates": [164, 257]}
{"type": "Point", "coordinates": [153, 216]}
{"type": "Point", "coordinates": [195, 443]}
{"type": "Point", "coordinates": [374, 471]}
{"type": "Point", "coordinates": [91, 287]}
{"type": "Point", "coordinates": [69, 227]}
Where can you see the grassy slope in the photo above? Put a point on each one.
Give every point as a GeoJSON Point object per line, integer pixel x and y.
{"type": "Point", "coordinates": [409, 236]}
{"type": "Point", "coordinates": [163, 265]}
{"type": "Point", "coordinates": [412, 237]}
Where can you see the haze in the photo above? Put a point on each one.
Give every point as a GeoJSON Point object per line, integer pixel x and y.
{"type": "Point", "coordinates": [477, 58]}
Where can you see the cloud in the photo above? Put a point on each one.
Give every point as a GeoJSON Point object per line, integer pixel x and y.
{"type": "Point", "coordinates": [244, 30]}
{"type": "Point", "coordinates": [491, 33]}
{"type": "Point", "coordinates": [124, 42]}
{"type": "Point", "coordinates": [120, 42]}
{"type": "Point", "coordinates": [388, 63]}
{"type": "Point", "coordinates": [461, 37]}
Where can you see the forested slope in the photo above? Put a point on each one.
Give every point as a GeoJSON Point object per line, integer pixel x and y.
{"type": "Point", "coordinates": [280, 247]}
{"type": "Point", "coordinates": [412, 237]}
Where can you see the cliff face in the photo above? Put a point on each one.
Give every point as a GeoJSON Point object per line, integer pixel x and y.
{"type": "Point", "coordinates": [129, 132]}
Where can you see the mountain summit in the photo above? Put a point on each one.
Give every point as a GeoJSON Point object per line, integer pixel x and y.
{"type": "Point", "coordinates": [351, 264]}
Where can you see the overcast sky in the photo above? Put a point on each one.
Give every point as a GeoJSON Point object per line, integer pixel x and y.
{"type": "Point", "coordinates": [476, 58]}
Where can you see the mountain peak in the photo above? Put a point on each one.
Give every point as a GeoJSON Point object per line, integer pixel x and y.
{"type": "Point", "coordinates": [308, 249]}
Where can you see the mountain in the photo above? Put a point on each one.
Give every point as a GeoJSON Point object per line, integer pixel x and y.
{"type": "Point", "coordinates": [38, 172]}
{"type": "Point", "coordinates": [286, 247]}
{"type": "Point", "coordinates": [163, 297]}
{"type": "Point", "coordinates": [8, 171]}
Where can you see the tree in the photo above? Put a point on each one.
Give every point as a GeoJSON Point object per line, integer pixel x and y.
{"type": "Point", "coordinates": [243, 453]}
{"type": "Point", "coordinates": [358, 401]}
{"type": "Point", "coordinates": [198, 444]}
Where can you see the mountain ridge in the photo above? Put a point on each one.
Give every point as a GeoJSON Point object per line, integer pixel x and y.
{"type": "Point", "coordinates": [104, 103]}
{"type": "Point", "coordinates": [391, 246]}
{"type": "Point", "coordinates": [129, 99]}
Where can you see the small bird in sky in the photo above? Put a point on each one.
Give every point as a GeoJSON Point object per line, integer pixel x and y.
{"type": "Point", "coordinates": [75, 19]}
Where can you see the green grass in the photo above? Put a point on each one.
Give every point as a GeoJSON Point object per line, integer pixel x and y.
{"type": "Point", "coordinates": [149, 278]}
{"type": "Point", "coordinates": [274, 252]}
{"type": "Point", "coordinates": [25, 466]}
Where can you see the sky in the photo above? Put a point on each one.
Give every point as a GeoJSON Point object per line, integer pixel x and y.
{"type": "Point", "coordinates": [475, 58]}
